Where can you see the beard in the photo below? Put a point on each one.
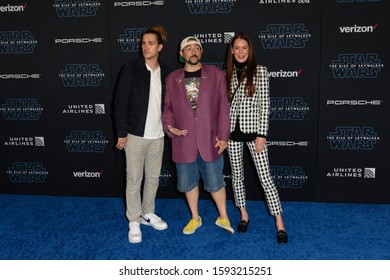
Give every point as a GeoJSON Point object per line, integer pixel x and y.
{"type": "Point", "coordinates": [193, 62]}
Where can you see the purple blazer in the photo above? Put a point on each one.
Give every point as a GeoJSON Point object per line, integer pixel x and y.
{"type": "Point", "coordinates": [210, 120]}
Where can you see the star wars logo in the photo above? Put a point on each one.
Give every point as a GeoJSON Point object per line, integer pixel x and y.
{"type": "Point", "coordinates": [288, 109]}
{"type": "Point", "coordinates": [356, 66]}
{"type": "Point", "coordinates": [130, 40]}
{"type": "Point", "coordinates": [285, 36]}
{"type": "Point", "coordinates": [291, 177]}
{"type": "Point", "coordinates": [353, 138]}
{"type": "Point", "coordinates": [81, 75]}
{"type": "Point", "coordinates": [76, 8]}
{"type": "Point", "coordinates": [17, 42]}
{"type": "Point", "coordinates": [202, 7]}
{"type": "Point", "coordinates": [21, 109]}
{"type": "Point", "coordinates": [27, 172]}
{"type": "Point", "coordinates": [86, 142]}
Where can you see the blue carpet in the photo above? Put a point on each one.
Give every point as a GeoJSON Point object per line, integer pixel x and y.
{"type": "Point", "coordinates": [82, 228]}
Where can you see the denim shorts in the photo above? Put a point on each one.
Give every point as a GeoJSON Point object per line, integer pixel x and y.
{"type": "Point", "coordinates": [188, 175]}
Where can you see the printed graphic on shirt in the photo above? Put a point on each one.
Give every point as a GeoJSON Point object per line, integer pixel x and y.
{"type": "Point", "coordinates": [192, 87]}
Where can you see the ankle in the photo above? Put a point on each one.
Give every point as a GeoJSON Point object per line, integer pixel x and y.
{"type": "Point", "coordinates": [244, 218]}
{"type": "Point", "coordinates": [197, 218]}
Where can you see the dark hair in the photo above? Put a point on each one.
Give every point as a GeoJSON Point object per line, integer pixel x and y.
{"type": "Point", "coordinates": [160, 33]}
{"type": "Point", "coordinates": [250, 68]}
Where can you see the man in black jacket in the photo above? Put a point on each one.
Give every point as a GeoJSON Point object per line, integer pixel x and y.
{"type": "Point", "coordinates": [138, 108]}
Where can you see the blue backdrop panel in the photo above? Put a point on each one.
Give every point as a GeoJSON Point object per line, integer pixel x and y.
{"type": "Point", "coordinates": [353, 128]}
{"type": "Point", "coordinates": [64, 108]}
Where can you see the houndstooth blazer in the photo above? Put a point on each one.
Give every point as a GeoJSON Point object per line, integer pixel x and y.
{"type": "Point", "coordinates": [252, 113]}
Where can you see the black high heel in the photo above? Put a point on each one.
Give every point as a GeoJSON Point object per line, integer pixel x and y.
{"type": "Point", "coordinates": [282, 237]}
{"type": "Point", "coordinates": [242, 226]}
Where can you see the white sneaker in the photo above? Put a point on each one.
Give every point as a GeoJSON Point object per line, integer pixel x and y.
{"type": "Point", "coordinates": [154, 221]}
{"type": "Point", "coordinates": [135, 235]}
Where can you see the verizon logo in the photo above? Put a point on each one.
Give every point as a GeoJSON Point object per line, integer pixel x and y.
{"type": "Point", "coordinates": [285, 74]}
{"type": "Point", "coordinates": [358, 29]}
{"type": "Point", "coordinates": [87, 174]}
{"type": "Point", "coordinates": [13, 8]}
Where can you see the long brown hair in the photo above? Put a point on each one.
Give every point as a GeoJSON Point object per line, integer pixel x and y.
{"type": "Point", "coordinates": [250, 68]}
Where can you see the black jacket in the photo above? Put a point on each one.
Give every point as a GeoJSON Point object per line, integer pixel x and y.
{"type": "Point", "coordinates": [132, 97]}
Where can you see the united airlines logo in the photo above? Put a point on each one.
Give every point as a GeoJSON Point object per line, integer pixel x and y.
{"type": "Point", "coordinates": [37, 141]}
{"type": "Point", "coordinates": [76, 8]}
{"type": "Point", "coordinates": [86, 142]}
{"type": "Point", "coordinates": [352, 172]}
{"type": "Point", "coordinates": [356, 66]}
{"type": "Point", "coordinates": [17, 42]}
{"type": "Point", "coordinates": [100, 109]}
{"type": "Point", "coordinates": [27, 172]}
{"type": "Point", "coordinates": [215, 38]}
{"type": "Point", "coordinates": [353, 138]}
{"type": "Point", "coordinates": [288, 177]}
{"type": "Point", "coordinates": [285, 74]}
{"type": "Point", "coordinates": [358, 28]}
{"type": "Point", "coordinates": [165, 176]}
{"type": "Point", "coordinates": [130, 39]}
{"type": "Point", "coordinates": [288, 109]}
{"type": "Point", "coordinates": [78, 109]}
{"type": "Point", "coordinates": [13, 8]}
{"type": "Point", "coordinates": [81, 75]}
{"type": "Point", "coordinates": [285, 36]}
{"type": "Point", "coordinates": [202, 7]}
{"type": "Point", "coordinates": [21, 109]}
{"type": "Point", "coordinates": [369, 172]}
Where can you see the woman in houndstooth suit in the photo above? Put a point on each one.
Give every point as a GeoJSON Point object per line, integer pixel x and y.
{"type": "Point", "coordinates": [248, 93]}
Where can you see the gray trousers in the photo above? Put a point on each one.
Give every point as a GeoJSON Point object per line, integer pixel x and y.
{"type": "Point", "coordinates": [142, 155]}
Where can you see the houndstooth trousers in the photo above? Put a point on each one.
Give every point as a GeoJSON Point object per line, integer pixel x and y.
{"type": "Point", "coordinates": [235, 152]}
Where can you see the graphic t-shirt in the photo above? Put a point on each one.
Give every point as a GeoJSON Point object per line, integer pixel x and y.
{"type": "Point", "coordinates": [192, 81]}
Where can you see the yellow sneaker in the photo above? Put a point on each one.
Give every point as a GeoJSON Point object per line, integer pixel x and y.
{"type": "Point", "coordinates": [192, 226]}
{"type": "Point", "coordinates": [225, 224]}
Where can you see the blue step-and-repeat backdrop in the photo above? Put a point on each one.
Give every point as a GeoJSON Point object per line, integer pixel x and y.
{"type": "Point", "coordinates": [329, 132]}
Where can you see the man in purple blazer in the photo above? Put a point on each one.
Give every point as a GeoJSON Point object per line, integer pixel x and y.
{"type": "Point", "coordinates": [196, 117]}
